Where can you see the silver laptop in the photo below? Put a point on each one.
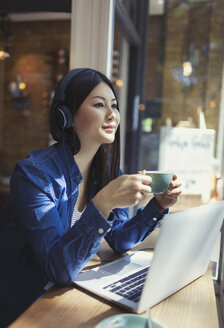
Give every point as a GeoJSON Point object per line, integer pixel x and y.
{"type": "Point", "coordinates": [182, 254]}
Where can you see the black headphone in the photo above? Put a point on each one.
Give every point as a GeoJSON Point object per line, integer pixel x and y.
{"type": "Point", "coordinates": [63, 114]}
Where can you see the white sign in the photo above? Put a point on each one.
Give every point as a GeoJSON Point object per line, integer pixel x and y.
{"type": "Point", "coordinates": [188, 153]}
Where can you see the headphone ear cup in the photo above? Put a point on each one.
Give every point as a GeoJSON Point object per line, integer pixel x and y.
{"type": "Point", "coordinates": [64, 117]}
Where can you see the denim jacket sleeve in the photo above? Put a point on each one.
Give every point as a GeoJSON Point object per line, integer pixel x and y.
{"type": "Point", "coordinates": [128, 232]}
{"type": "Point", "coordinates": [62, 252]}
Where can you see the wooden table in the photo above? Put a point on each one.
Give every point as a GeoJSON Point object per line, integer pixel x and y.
{"type": "Point", "coordinates": [192, 307]}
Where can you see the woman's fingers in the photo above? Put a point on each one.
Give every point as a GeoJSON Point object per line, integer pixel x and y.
{"type": "Point", "coordinates": [144, 183]}
{"type": "Point", "coordinates": [174, 193]}
{"type": "Point", "coordinates": [174, 184]}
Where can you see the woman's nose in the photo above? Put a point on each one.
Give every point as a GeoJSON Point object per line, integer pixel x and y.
{"type": "Point", "coordinates": [110, 112]}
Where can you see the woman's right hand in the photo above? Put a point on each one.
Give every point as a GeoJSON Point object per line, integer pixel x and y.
{"type": "Point", "coordinates": [124, 191]}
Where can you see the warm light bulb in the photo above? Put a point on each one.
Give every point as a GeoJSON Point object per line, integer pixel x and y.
{"type": "Point", "coordinates": [22, 85]}
{"type": "Point", "coordinates": [4, 55]}
{"type": "Point", "coordinates": [141, 106]}
{"type": "Point", "coordinates": [119, 83]}
{"type": "Point", "coordinates": [212, 104]}
{"type": "Point", "coordinates": [187, 68]}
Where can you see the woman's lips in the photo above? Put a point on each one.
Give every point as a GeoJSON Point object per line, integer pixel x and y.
{"type": "Point", "coordinates": [109, 127]}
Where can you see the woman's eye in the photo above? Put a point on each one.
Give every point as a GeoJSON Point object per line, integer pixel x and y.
{"type": "Point", "coordinates": [115, 106]}
{"type": "Point", "coordinates": [98, 104]}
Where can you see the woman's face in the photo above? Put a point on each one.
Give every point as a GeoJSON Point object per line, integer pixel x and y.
{"type": "Point", "coordinates": [97, 119]}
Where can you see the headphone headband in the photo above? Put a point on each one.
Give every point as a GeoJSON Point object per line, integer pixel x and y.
{"type": "Point", "coordinates": [67, 78]}
{"type": "Point", "coordinates": [63, 114]}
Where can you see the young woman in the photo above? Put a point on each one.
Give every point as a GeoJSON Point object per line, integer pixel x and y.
{"type": "Point", "coordinates": [65, 199]}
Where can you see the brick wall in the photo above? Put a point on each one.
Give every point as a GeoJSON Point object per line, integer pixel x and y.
{"type": "Point", "coordinates": [22, 131]}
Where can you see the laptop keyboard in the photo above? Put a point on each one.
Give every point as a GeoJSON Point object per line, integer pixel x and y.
{"type": "Point", "coordinates": [129, 287]}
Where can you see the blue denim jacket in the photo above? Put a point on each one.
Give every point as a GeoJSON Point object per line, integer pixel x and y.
{"type": "Point", "coordinates": [38, 245]}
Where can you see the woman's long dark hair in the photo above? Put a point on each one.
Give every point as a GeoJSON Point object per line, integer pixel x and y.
{"type": "Point", "coordinates": [106, 162]}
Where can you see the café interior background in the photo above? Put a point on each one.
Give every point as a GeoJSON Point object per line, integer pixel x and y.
{"type": "Point", "coordinates": [183, 77]}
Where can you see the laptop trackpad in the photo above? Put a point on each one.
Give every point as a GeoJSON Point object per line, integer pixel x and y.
{"type": "Point", "coordinates": [128, 263]}
{"type": "Point", "coordinates": [120, 267]}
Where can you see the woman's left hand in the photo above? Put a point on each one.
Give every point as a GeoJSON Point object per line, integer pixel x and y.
{"type": "Point", "coordinates": [169, 198]}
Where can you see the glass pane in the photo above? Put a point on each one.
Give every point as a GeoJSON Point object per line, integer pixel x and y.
{"type": "Point", "coordinates": [184, 94]}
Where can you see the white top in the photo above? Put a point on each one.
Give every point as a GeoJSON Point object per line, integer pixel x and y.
{"type": "Point", "coordinates": [76, 216]}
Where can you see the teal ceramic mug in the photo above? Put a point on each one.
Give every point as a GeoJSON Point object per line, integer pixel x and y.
{"type": "Point", "coordinates": [127, 320]}
{"type": "Point", "coordinates": [160, 181]}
